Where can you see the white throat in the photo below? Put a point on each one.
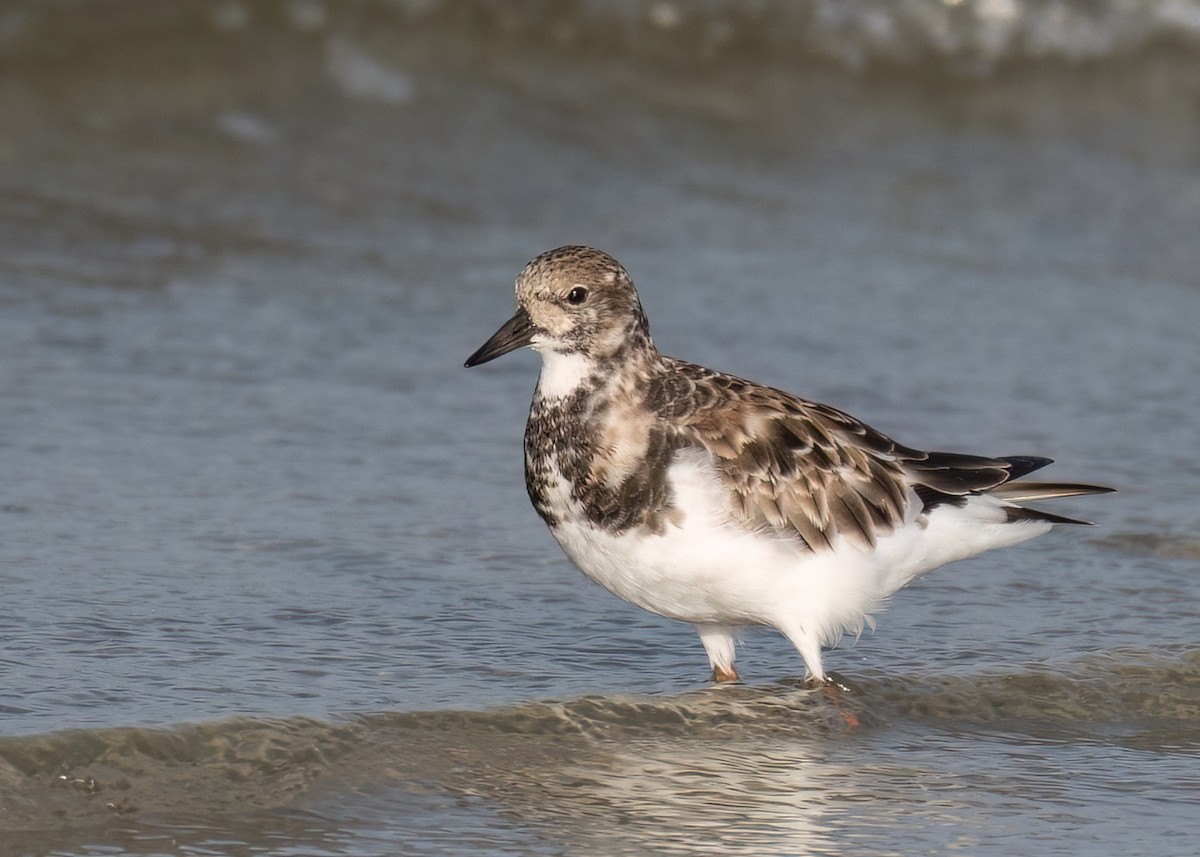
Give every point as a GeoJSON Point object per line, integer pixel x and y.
{"type": "Point", "coordinates": [562, 374]}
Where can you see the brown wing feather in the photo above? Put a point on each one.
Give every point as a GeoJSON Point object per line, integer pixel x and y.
{"type": "Point", "coordinates": [810, 470]}
{"type": "Point", "coordinates": [792, 465]}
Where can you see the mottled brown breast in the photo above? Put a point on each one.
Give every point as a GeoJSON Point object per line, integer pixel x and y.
{"type": "Point", "coordinates": [591, 453]}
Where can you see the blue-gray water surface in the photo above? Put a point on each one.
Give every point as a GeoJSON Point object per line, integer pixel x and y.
{"type": "Point", "coordinates": [269, 582]}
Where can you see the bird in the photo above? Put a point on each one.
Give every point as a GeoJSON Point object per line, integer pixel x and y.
{"type": "Point", "coordinates": [728, 504]}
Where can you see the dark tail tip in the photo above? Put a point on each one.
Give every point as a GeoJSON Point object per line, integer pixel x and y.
{"type": "Point", "coordinates": [1023, 465]}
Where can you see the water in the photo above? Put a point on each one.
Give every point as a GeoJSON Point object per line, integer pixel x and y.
{"type": "Point", "coordinates": [270, 581]}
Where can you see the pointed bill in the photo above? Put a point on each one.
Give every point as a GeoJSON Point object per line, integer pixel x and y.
{"type": "Point", "coordinates": [515, 333]}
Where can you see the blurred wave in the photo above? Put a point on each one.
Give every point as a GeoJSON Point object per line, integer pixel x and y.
{"type": "Point", "coordinates": [75, 778]}
{"type": "Point", "coordinates": [1170, 545]}
{"type": "Point", "coordinates": [968, 36]}
{"type": "Point", "coordinates": [302, 129]}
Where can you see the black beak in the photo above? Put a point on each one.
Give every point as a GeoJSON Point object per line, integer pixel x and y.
{"type": "Point", "coordinates": [515, 333]}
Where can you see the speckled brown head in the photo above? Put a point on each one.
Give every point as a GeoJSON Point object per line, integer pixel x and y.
{"type": "Point", "coordinates": [572, 300]}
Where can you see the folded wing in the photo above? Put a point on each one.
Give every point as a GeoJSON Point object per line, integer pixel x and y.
{"type": "Point", "coordinates": [809, 470]}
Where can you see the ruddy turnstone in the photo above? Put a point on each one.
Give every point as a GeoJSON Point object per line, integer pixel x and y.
{"type": "Point", "coordinates": [724, 503]}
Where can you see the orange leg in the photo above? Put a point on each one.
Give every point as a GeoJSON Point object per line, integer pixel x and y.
{"type": "Point", "coordinates": [833, 691]}
{"type": "Point", "coordinates": [722, 674]}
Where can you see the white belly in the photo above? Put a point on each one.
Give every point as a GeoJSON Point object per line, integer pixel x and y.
{"type": "Point", "coordinates": [708, 569]}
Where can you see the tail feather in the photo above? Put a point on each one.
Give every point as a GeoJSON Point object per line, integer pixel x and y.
{"type": "Point", "coordinates": [1017, 492]}
{"type": "Point", "coordinates": [1024, 513]}
{"type": "Point", "coordinates": [942, 478]}
{"type": "Point", "coordinates": [1023, 465]}
{"type": "Point", "coordinates": [1013, 492]}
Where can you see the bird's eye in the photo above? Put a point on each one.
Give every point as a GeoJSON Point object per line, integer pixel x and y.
{"type": "Point", "coordinates": [577, 295]}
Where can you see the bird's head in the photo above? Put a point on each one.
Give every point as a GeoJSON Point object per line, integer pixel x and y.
{"type": "Point", "coordinates": [572, 301]}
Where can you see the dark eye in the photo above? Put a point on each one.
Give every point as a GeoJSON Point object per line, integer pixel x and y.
{"type": "Point", "coordinates": [577, 295]}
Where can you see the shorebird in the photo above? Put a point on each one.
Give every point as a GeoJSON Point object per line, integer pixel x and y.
{"type": "Point", "coordinates": [724, 503]}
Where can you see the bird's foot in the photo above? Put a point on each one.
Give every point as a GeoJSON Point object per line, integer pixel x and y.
{"type": "Point", "coordinates": [838, 695]}
{"type": "Point", "coordinates": [725, 674]}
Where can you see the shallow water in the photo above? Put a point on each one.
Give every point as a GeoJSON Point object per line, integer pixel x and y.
{"type": "Point", "coordinates": [270, 581]}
